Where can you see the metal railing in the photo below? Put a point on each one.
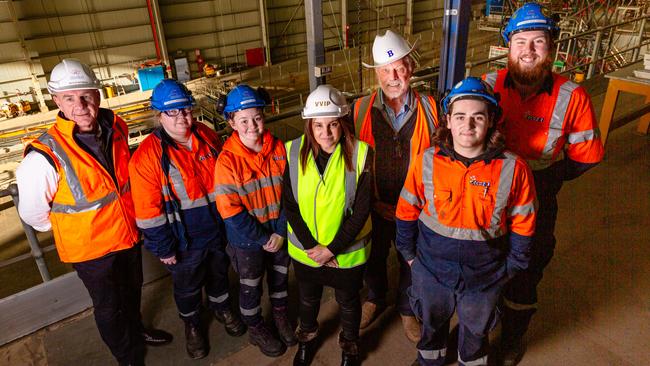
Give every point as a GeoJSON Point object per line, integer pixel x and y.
{"type": "Point", "coordinates": [34, 244]}
{"type": "Point", "coordinates": [595, 52]}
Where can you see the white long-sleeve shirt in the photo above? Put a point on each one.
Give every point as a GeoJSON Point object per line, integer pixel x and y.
{"type": "Point", "coordinates": [37, 182]}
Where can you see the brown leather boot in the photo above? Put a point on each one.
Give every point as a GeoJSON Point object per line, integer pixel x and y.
{"type": "Point", "coordinates": [412, 328]}
{"type": "Point", "coordinates": [284, 327]}
{"type": "Point", "coordinates": [369, 312]}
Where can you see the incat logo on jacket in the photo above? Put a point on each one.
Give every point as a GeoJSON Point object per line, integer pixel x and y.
{"type": "Point", "coordinates": [530, 117]}
{"type": "Point", "coordinates": [278, 157]}
{"type": "Point", "coordinates": [205, 157]}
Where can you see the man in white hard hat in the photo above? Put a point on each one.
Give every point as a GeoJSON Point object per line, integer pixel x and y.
{"type": "Point", "coordinates": [398, 124]}
{"type": "Point", "coordinates": [74, 180]}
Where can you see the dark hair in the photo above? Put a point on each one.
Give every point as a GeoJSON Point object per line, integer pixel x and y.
{"type": "Point", "coordinates": [495, 139]}
{"type": "Point", "coordinates": [310, 144]}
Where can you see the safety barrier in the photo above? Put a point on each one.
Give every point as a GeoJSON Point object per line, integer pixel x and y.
{"type": "Point", "coordinates": [55, 298]}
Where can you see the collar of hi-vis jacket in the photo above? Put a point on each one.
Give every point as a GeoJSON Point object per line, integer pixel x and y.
{"type": "Point", "coordinates": [235, 145]}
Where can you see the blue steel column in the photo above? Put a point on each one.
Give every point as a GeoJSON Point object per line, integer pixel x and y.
{"type": "Point", "coordinates": [315, 42]}
{"type": "Point", "coordinates": [455, 27]}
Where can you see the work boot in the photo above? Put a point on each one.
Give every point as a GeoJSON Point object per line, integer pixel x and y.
{"type": "Point", "coordinates": [155, 337]}
{"type": "Point", "coordinates": [284, 327]}
{"type": "Point", "coordinates": [307, 342]}
{"type": "Point", "coordinates": [369, 312]}
{"type": "Point", "coordinates": [231, 322]}
{"type": "Point", "coordinates": [195, 343]}
{"type": "Point", "coordinates": [411, 328]}
{"type": "Point", "coordinates": [511, 352]}
{"type": "Point", "coordinates": [349, 352]}
{"type": "Point", "coordinates": [262, 337]}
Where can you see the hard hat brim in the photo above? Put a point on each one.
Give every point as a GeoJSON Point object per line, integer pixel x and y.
{"type": "Point", "coordinates": [369, 66]}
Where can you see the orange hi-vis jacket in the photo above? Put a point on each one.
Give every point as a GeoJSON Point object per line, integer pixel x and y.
{"type": "Point", "coordinates": [425, 124]}
{"type": "Point", "coordinates": [543, 128]}
{"type": "Point", "coordinates": [92, 214]}
{"type": "Point", "coordinates": [481, 202]}
{"type": "Point", "coordinates": [175, 210]}
{"type": "Point", "coordinates": [249, 190]}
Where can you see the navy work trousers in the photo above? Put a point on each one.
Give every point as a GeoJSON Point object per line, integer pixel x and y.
{"type": "Point", "coordinates": [376, 276]}
{"type": "Point", "coordinates": [114, 283]}
{"type": "Point", "coordinates": [251, 264]}
{"type": "Point", "coordinates": [520, 294]}
{"type": "Point", "coordinates": [195, 269]}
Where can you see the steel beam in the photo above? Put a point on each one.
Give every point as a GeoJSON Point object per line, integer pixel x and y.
{"type": "Point", "coordinates": [453, 50]}
{"type": "Point", "coordinates": [265, 34]}
{"type": "Point", "coordinates": [315, 42]}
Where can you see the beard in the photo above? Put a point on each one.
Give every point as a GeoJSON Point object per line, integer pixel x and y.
{"type": "Point", "coordinates": [530, 76]}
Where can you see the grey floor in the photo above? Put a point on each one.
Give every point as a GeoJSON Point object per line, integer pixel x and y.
{"type": "Point", "coordinates": [594, 306]}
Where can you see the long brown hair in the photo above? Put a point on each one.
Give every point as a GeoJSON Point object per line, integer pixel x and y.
{"type": "Point", "coordinates": [310, 144]}
{"type": "Point", "coordinates": [494, 138]}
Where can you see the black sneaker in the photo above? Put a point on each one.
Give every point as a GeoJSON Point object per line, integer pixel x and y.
{"type": "Point", "coordinates": [156, 337]}
{"type": "Point", "coordinates": [262, 337]}
{"type": "Point", "coordinates": [231, 322]}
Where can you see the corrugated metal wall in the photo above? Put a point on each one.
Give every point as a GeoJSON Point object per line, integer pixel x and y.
{"type": "Point", "coordinates": [115, 36]}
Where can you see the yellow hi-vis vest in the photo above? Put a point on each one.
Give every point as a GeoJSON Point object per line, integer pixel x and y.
{"type": "Point", "coordinates": [326, 200]}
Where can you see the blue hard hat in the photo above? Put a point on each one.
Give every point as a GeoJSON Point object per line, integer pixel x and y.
{"type": "Point", "coordinates": [170, 94]}
{"type": "Point", "coordinates": [242, 97]}
{"type": "Point", "coordinates": [471, 86]}
{"type": "Point", "coordinates": [531, 16]}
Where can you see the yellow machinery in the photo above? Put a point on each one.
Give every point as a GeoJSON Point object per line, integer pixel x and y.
{"type": "Point", "coordinates": [209, 70]}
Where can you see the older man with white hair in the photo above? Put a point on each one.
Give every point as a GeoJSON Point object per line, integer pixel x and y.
{"type": "Point", "coordinates": [398, 123]}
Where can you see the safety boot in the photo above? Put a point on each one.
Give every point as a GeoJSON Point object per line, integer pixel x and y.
{"type": "Point", "coordinates": [195, 343]}
{"type": "Point", "coordinates": [511, 352]}
{"type": "Point", "coordinates": [412, 328]}
{"type": "Point", "coordinates": [369, 312]}
{"type": "Point", "coordinates": [307, 342]}
{"type": "Point", "coordinates": [262, 337]}
{"type": "Point", "coordinates": [231, 322]}
{"type": "Point", "coordinates": [349, 352]}
{"type": "Point", "coordinates": [284, 327]}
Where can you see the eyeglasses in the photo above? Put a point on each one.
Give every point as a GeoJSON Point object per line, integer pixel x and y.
{"type": "Point", "coordinates": [177, 112]}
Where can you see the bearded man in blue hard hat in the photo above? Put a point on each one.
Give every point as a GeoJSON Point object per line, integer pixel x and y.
{"type": "Point", "coordinates": [549, 121]}
{"type": "Point", "coordinates": [74, 180]}
{"type": "Point", "coordinates": [172, 179]}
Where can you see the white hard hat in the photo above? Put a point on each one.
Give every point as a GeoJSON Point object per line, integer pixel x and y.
{"type": "Point", "coordinates": [324, 102]}
{"type": "Point", "coordinates": [72, 74]}
{"type": "Point", "coordinates": [388, 48]}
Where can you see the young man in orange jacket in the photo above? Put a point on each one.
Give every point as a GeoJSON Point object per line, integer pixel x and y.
{"type": "Point", "coordinates": [549, 121]}
{"type": "Point", "coordinates": [248, 181]}
{"type": "Point", "coordinates": [465, 220]}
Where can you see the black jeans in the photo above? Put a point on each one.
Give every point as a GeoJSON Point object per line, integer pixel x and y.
{"type": "Point", "coordinates": [349, 301]}
{"type": "Point", "coordinates": [114, 283]}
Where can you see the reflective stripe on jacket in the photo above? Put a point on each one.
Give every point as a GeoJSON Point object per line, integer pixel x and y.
{"type": "Point", "coordinates": [481, 202]}
{"type": "Point", "coordinates": [175, 209]}
{"type": "Point", "coordinates": [425, 123]}
{"type": "Point", "coordinates": [92, 214]}
{"type": "Point", "coordinates": [251, 182]}
{"type": "Point", "coordinates": [542, 128]}
{"type": "Point", "coordinates": [326, 200]}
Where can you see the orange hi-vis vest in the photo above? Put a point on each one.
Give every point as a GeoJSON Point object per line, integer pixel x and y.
{"type": "Point", "coordinates": [481, 202]}
{"type": "Point", "coordinates": [246, 180]}
{"type": "Point", "coordinates": [91, 215]}
{"type": "Point", "coordinates": [425, 123]}
{"type": "Point", "coordinates": [543, 128]}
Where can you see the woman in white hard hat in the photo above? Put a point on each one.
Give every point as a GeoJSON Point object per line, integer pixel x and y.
{"type": "Point", "coordinates": [327, 198]}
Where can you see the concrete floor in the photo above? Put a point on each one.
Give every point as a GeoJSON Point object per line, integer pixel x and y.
{"type": "Point", "coordinates": [594, 300]}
